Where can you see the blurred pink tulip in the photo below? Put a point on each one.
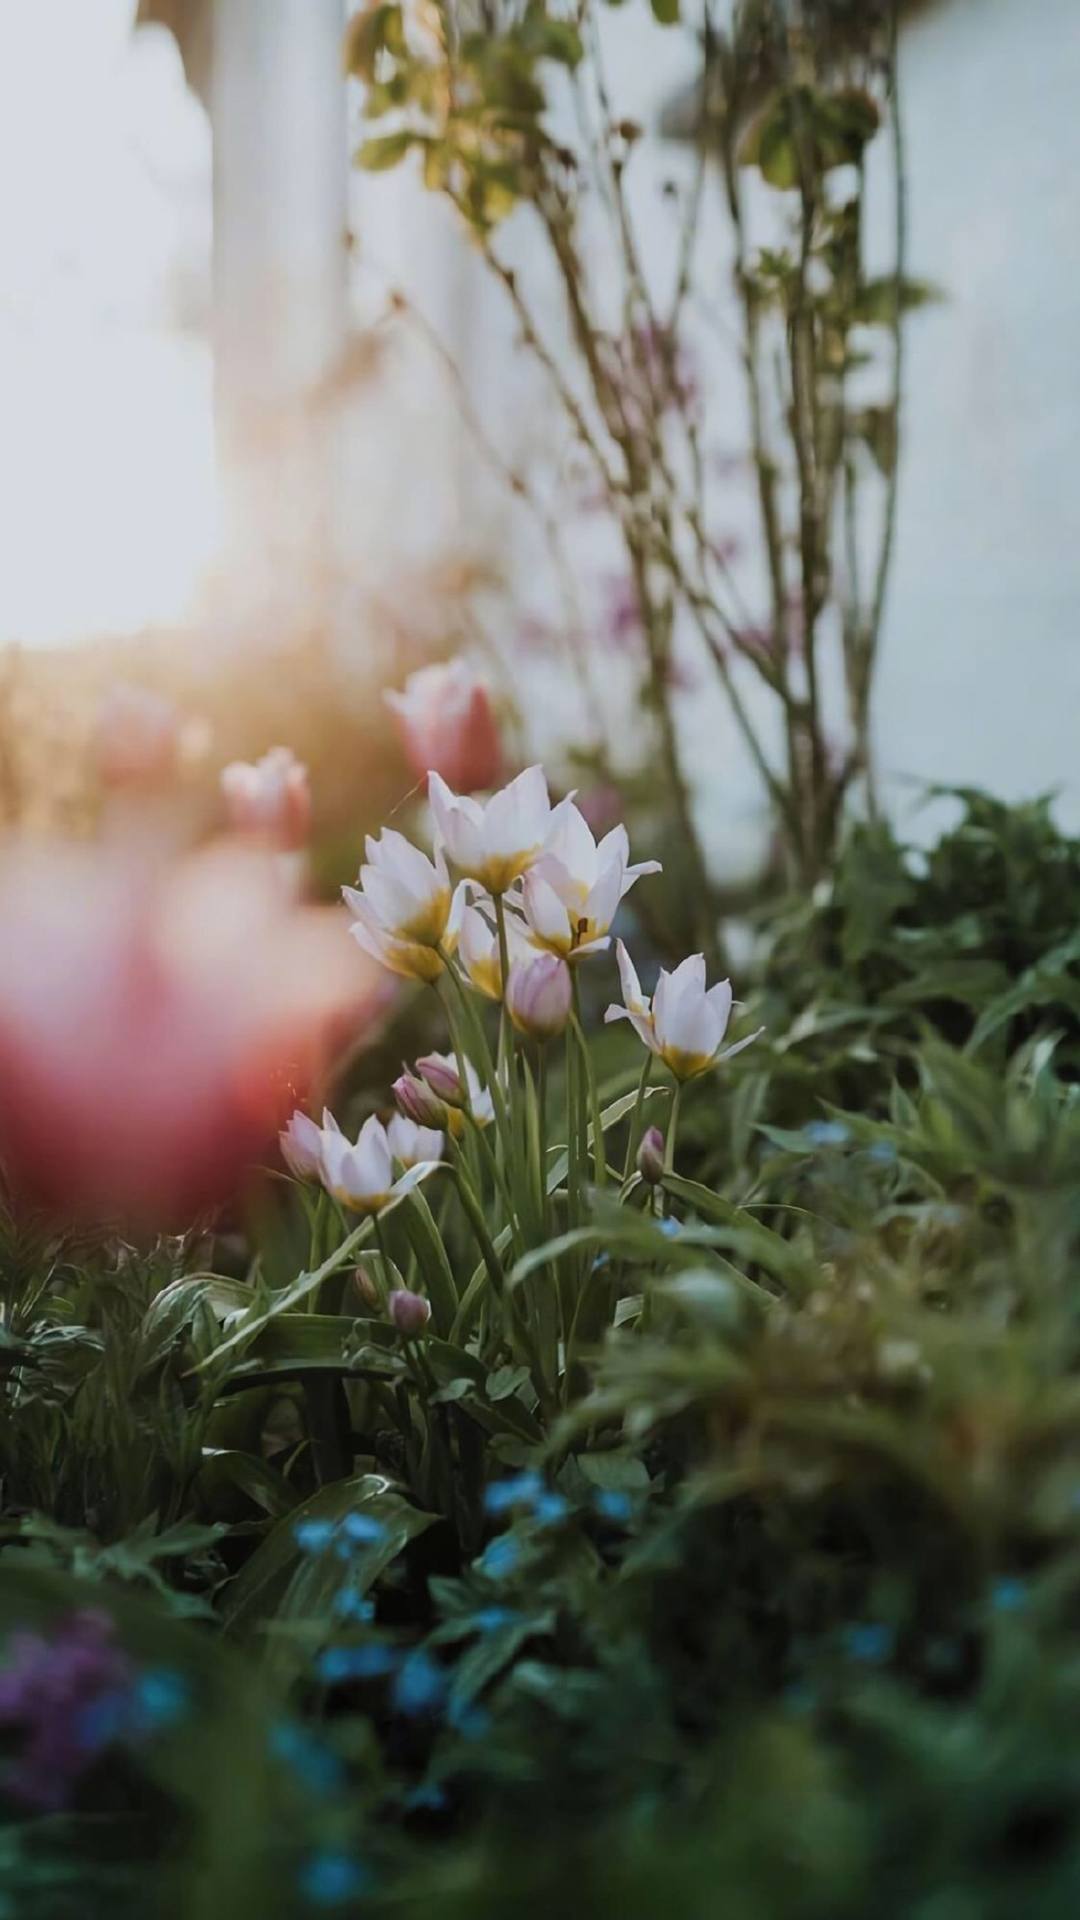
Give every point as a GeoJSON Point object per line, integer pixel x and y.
{"type": "Point", "coordinates": [158, 1021]}
{"type": "Point", "coordinates": [138, 737]}
{"type": "Point", "coordinates": [269, 797]}
{"type": "Point", "coordinates": [448, 726]}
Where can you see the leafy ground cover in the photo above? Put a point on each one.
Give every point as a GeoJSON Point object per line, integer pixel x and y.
{"type": "Point", "coordinates": [707, 1539]}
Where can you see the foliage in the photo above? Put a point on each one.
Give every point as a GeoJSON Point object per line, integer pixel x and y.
{"type": "Point", "coordinates": [765, 1592]}
{"type": "Point", "coordinates": [511, 113]}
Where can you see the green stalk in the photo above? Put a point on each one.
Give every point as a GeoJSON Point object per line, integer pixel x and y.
{"type": "Point", "coordinates": [573, 1142]}
{"type": "Point", "coordinates": [634, 1134]}
{"type": "Point", "coordinates": [599, 1156]}
{"type": "Point", "coordinates": [542, 1133]}
{"type": "Point", "coordinates": [475, 1028]}
{"type": "Point", "coordinates": [504, 973]}
{"type": "Point", "coordinates": [669, 1146]}
{"type": "Point", "coordinates": [474, 1210]}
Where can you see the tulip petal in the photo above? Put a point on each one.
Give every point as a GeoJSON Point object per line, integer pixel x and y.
{"type": "Point", "coordinates": [570, 841]}
{"type": "Point", "coordinates": [638, 872]}
{"type": "Point", "coordinates": [635, 1000]}
{"type": "Point", "coordinates": [602, 902]}
{"type": "Point", "coordinates": [546, 914]}
{"type": "Point", "coordinates": [730, 1052]}
{"type": "Point", "coordinates": [720, 1000]}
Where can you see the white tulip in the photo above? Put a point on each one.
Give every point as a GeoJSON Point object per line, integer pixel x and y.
{"type": "Point", "coordinates": [405, 907]}
{"type": "Point", "coordinates": [361, 1175]}
{"type": "Point", "coordinates": [685, 1024]}
{"type": "Point", "coordinates": [493, 841]}
{"type": "Point", "coordinates": [478, 950]}
{"type": "Point", "coordinates": [572, 892]}
{"type": "Point", "coordinates": [411, 1145]}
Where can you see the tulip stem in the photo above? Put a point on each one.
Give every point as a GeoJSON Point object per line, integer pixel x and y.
{"type": "Point", "coordinates": [504, 974]}
{"type": "Point", "coordinates": [669, 1145]}
{"type": "Point", "coordinates": [599, 1156]}
{"type": "Point", "coordinates": [541, 1108]}
{"type": "Point", "coordinates": [474, 1026]}
{"type": "Point", "coordinates": [635, 1117]}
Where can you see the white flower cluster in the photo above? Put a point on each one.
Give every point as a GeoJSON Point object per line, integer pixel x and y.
{"type": "Point", "coordinates": [535, 894]}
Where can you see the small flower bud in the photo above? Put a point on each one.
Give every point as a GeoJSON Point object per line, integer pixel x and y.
{"type": "Point", "coordinates": [417, 1102]}
{"type": "Point", "coordinates": [367, 1287]}
{"type": "Point", "coordinates": [441, 1075]}
{"type": "Point", "coordinates": [538, 996]}
{"type": "Point", "coordinates": [410, 1312]}
{"type": "Point", "coordinates": [650, 1156]}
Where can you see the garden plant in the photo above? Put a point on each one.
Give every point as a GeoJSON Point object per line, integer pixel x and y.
{"type": "Point", "coordinates": [641, 1472]}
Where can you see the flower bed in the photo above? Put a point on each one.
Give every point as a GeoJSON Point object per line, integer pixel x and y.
{"type": "Point", "coordinates": [641, 1476]}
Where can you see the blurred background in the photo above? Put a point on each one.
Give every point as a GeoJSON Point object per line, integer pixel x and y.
{"type": "Point", "coordinates": [263, 413]}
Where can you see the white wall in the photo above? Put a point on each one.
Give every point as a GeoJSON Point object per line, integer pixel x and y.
{"type": "Point", "coordinates": [981, 660]}
{"type": "Point", "coordinates": [981, 672]}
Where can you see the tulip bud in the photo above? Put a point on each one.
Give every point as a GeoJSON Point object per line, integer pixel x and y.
{"type": "Point", "coordinates": [410, 1312]}
{"type": "Point", "coordinates": [650, 1156]}
{"type": "Point", "coordinates": [367, 1287]}
{"type": "Point", "coordinates": [538, 996]}
{"type": "Point", "coordinates": [442, 1078]}
{"type": "Point", "coordinates": [417, 1101]}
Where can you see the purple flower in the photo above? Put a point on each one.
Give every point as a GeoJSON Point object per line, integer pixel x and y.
{"type": "Point", "coordinates": [70, 1694]}
{"type": "Point", "coordinates": [409, 1312]}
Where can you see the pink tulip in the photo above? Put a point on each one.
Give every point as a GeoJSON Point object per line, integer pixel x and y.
{"type": "Point", "coordinates": [650, 1156]}
{"type": "Point", "coordinates": [138, 737]}
{"type": "Point", "coordinates": [158, 1021]}
{"type": "Point", "coordinates": [539, 996]}
{"type": "Point", "coordinates": [270, 797]}
{"type": "Point", "coordinates": [410, 1312]}
{"type": "Point", "coordinates": [417, 1101]}
{"type": "Point", "coordinates": [448, 726]}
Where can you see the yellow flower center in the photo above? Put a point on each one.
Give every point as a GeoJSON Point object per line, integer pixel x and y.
{"type": "Point", "coordinates": [685, 1066]}
{"type": "Point", "coordinates": [428, 925]}
{"type": "Point", "coordinates": [413, 962]}
{"type": "Point", "coordinates": [500, 870]}
{"type": "Point", "coordinates": [486, 976]}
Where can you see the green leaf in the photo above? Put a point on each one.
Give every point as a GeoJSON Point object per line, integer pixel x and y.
{"type": "Point", "coordinates": [768, 144]}
{"type": "Point", "coordinates": [505, 1381]}
{"type": "Point", "coordinates": [256, 1478]}
{"type": "Point", "coordinates": [665, 11]}
{"type": "Point", "coordinates": [553, 39]}
{"type": "Point", "coordinates": [435, 1266]}
{"type": "Point", "coordinates": [281, 1584]}
{"type": "Point", "coordinates": [828, 130]}
{"type": "Point", "coordinates": [385, 150]}
{"type": "Point", "coordinates": [877, 301]}
{"type": "Point", "coordinates": [876, 427]}
{"type": "Point", "coordinates": [367, 34]}
{"type": "Point", "coordinates": [619, 1471]}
